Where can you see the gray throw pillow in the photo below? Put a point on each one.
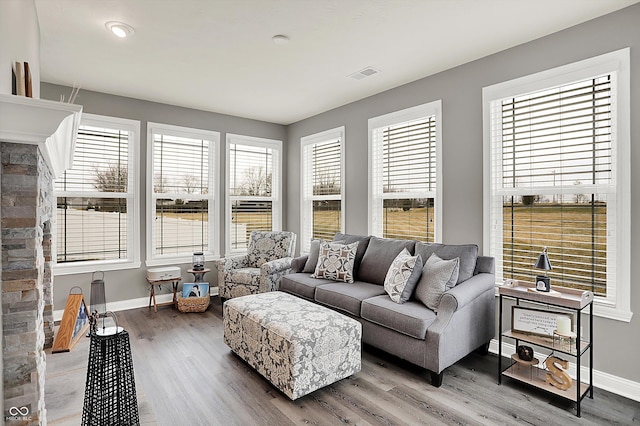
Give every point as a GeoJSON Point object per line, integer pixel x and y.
{"type": "Point", "coordinates": [437, 274]}
{"type": "Point", "coordinates": [314, 251]}
{"type": "Point", "coordinates": [403, 276]}
{"type": "Point", "coordinates": [335, 261]}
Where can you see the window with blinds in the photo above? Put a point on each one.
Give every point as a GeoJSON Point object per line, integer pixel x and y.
{"type": "Point", "coordinates": [182, 193]}
{"type": "Point", "coordinates": [253, 193]}
{"type": "Point", "coordinates": [404, 173]}
{"type": "Point", "coordinates": [322, 183]}
{"type": "Point", "coordinates": [95, 197]}
{"type": "Point", "coordinates": [555, 179]}
{"type": "Point", "coordinates": [556, 147]}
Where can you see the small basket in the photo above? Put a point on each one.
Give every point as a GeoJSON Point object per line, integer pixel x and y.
{"type": "Point", "coordinates": [193, 304]}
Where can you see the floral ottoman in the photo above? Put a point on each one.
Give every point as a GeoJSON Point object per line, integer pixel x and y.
{"type": "Point", "coordinates": [295, 344]}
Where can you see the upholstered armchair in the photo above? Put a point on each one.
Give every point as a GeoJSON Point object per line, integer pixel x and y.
{"type": "Point", "coordinates": [268, 258]}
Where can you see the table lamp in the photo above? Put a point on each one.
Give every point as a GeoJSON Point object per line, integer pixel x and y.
{"type": "Point", "coordinates": [543, 282]}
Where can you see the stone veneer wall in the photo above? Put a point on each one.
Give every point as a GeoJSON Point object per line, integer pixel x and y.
{"type": "Point", "coordinates": [27, 204]}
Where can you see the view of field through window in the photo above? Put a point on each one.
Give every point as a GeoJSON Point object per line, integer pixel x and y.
{"type": "Point", "coordinates": [556, 144]}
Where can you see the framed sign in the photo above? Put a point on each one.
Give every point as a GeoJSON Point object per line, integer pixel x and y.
{"type": "Point", "coordinates": [74, 323]}
{"type": "Point", "coordinates": [536, 321]}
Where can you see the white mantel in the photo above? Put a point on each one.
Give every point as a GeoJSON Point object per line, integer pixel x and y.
{"type": "Point", "coordinates": [52, 126]}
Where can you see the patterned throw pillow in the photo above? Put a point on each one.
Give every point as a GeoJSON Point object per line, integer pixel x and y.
{"type": "Point", "coordinates": [335, 261]}
{"type": "Point", "coordinates": [402, 276]}
{"type": "Point", "coordinates": [436, 274]}
{"type": "Point", "coordinates": [314, 254]}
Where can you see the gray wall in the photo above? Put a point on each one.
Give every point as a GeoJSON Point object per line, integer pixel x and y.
{"type": "Point", "coordinates": [461, 92]}
{"type": "Point", "coordinates": [131, 283]}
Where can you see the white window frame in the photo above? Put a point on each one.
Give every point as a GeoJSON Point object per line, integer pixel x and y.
{"type": "Point", "coordinates": [133, 202]}
{"type": "Point", "coordinates": [212, 196]}
{"type": "Point", "coordinates": [276, 184]}
{"type": "Point", "coordinates": [306, 196]}
{"type": "Point", "coordinates": [376, 196]}
{"type": "Point", "coordinates": [617, 305]}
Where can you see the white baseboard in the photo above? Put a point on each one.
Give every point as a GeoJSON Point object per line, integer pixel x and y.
{"type": "Point", "coordinates": [614, 384]}
{"type": "Point", "coordinates": [141, 302]}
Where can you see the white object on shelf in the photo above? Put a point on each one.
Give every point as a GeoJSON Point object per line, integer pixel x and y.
{"type": "Point", "coordinates": [166, 273]}
{"type": "Point", "coordinates": [563, 325]}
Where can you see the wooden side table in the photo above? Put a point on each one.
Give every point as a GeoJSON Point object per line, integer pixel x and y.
{"type": "Point", "coordinates": [152, 292]}
{"type": "Point", "coordinates": [198, 276]}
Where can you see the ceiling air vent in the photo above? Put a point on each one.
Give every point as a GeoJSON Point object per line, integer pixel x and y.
{"type": "Point", "coordinates": [364, 73]}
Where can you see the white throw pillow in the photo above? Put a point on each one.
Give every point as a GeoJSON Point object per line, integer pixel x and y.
{"type": "Point", "coordinates": [335, 261]}
{"type": "Point", "coordinates": [402, 276]}
{"type": "Point", "coordinates": [436, 274]}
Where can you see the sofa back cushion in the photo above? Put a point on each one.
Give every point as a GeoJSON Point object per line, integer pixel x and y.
{"type": "Point", "coordinates": [378, 258]}
{"type": "Point", "coordinates": [363, 243]}
{"type": "Point", "coordinates": [468, 254]}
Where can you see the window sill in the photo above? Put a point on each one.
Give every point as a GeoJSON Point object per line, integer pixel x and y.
{"type": "Point", "coordinates": [164, 261]}
{"type": "Point", "coordinates": [84, 267]}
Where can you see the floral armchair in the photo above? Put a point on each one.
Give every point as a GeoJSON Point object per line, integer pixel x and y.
{"type": "Point", "coordinates": [268, 258]}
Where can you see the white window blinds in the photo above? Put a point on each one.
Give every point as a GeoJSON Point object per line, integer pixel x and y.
{"type": "Point", "coordinates": [253, 188]}
{"type": "Point", "coordinates": [95, 197]}
{"type": "Point", "coordinates": [556, 180]}
{"type": "Point", "coordinates": [322, 186]}
{"type": "Point", "coordinates": [183, 170]}
{"type": "Point", "coordinates": [557, 151]}
{"type": "Point", "coordinates": [404, 173]}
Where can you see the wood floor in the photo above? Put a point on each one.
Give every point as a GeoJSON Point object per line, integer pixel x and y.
{"type": "Point", "coordinates": [186, 375]}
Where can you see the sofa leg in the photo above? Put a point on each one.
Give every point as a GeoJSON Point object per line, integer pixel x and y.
{"type": "Point", "coordinates": [436, 379]}
{"type": "Point", "coordinates": [484, 349]}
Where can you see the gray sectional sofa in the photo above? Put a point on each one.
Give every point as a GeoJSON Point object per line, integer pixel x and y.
{"type": "Point", "coordinates": [465, 317]}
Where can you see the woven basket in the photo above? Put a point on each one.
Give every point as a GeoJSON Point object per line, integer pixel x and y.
{"type": "Point", "coordinates": [193, 304]}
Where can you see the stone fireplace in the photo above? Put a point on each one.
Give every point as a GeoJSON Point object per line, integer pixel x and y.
{"type": "Point", "coordinates": [37, 139]}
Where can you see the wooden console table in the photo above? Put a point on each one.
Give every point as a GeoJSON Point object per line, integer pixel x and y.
{"type": "Point", "coordinates": [568, 300]}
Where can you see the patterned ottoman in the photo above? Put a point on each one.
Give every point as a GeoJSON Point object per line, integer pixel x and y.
{"type": "Point", "coordinates": [295, 344]}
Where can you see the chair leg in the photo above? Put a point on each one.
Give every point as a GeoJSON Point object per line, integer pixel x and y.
{"type": "Point", "coordinates": [436, 379]}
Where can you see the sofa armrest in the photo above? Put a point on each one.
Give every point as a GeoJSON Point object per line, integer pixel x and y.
{"type": "Point", "coordinates": [469, 290]}
{"type": "Point", "coordinates": [297, 264]}
{"type": "Point", "coordinates": [235, 262]}
{"type": "Point", "coordinates": [271, 273]}
{"type": "Point", "coordinates": [465, 321]}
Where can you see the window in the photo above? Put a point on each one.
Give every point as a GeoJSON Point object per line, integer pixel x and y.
{"type": "Point", "coordinates": [322, 171]}
{"type": "Point", "coordinates": [558, 177]}
{"type": "Point", "coordinates": [253, 194]}
{"type": "Point", "coordinates": [182, 187]}
{"type": "Point", "coordinates": [97, 204]}
{"type": "Point", "coordinates": [405, 174]}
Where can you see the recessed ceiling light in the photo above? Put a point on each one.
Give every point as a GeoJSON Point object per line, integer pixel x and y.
{"type": "Point", "coordinates": [280, 39]}
{"type": "Point", "coordinates": [119, 29]}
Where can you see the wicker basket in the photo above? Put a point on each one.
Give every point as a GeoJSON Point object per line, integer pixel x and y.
{"type": "Point", "coordinates": [193, 304]}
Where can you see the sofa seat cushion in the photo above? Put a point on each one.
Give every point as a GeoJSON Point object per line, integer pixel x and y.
{"type": "Point", "coordinates": [468, 254]}
{"type": "Point", "coordinates": [347, 297]}
{"type": "Point", "coordinates": [247, 276]}
{"type": "Point", "coordinates": [378, 258]}
{"type": "Point", "coordinates": [302, 285]}
{"type": "Point", "coordinates": [411, 318]}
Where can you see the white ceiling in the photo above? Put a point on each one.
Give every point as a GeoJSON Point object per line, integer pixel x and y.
{"type": "Point", "coordinates": [217, 55]}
